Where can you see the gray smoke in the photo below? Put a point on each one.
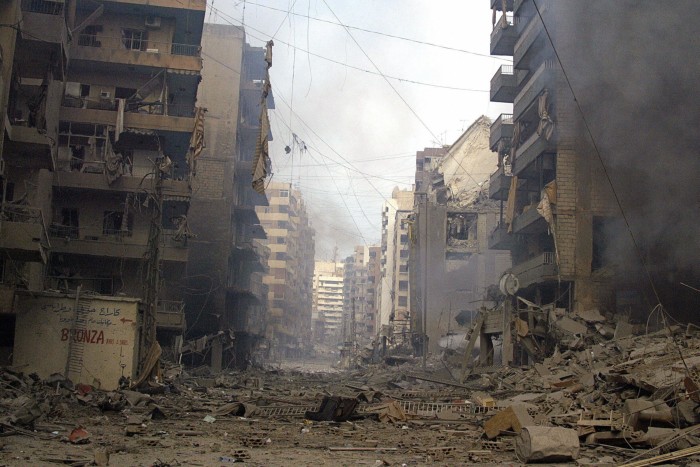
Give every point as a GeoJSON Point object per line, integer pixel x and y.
{"type": "Point", "coordinates": [633, 68]}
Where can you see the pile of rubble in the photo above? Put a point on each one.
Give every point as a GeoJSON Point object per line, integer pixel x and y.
{"type": "Point", "coordinates": [596, 401]}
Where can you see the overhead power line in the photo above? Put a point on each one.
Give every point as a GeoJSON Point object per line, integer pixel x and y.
{"type": "Point", "coordinates": [379, 33]}
{"type": "Point", "coordinates": [229, 18]}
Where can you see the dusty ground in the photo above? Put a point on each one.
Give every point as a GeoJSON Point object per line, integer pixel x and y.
{"type": "Point", "coordinates": [194, 426]}
{"type": "Point", "coordinates": [185, 438]}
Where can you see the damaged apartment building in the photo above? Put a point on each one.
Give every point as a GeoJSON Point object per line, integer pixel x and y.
{"type": "Point", "coordinates": [101, 138]}
{"type": "Point", "coordinates": [360, 295]}
{"type": "Point", "coordinates": [225, 294]}
{"type": "Point", "coordinates": [289, 278]}
{"type": "Point", "coordinates": [393, 291]}
{"type": "Point", "coordinates": [451, 266]}
{"type": "Point", "coordinates": [594, 159]}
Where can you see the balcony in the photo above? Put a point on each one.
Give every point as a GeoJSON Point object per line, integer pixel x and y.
{"type": "Point", "coordinates": [152, 117]}
{"type": "Point", "coordinates": [24, 236]}
{"type": "Point", "coordinates": [83, 241]}
{"type": "Point", "coordinates": [503, 85]}
{"type": "Point", "coordinates": [170, 316]}
{"type": "Point", "coordinates": [499, 184]}
{"type": "Point", "coordinates": [500, 239]}
{"type": "Point", "coordinates": [529, 221]}
{"type": "Point", "coordinates": [498, 5]}
{"type": "Point", "coordinates": [545, 76]}
{"type": "Point", "coordinates": [541, 268]}
{"type": "Point", "coordinates": [31, 132]}
{"type": "Point", "coordinates": [501, 128]}
{"type": "Point", "coordinates": [529, 44]}
{"type": "Point", "coordinates": [96, 180]}
{"type": "Point", "coordinates": [135, 52]}
{"type": "Point", "coordinates": [529, 151]}
{"type": "Point", "coordinates": [504, 36]}
{"type": "Point", "coordinates": [44, 25]}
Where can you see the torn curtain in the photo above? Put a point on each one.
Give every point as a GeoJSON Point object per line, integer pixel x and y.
{"type": "Point", "coordinates": [261, 158]}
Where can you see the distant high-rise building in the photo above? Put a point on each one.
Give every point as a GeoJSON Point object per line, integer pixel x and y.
{"type": "Point", "coordinates": [290, 239]}
{"type": "Point", "coordinates": [327, 311]}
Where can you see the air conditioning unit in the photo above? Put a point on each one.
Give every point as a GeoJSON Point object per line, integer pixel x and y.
{"type": "Point", "coordinates": [153, 22]}
{"type": "Point", "coordinates": [105, 94]}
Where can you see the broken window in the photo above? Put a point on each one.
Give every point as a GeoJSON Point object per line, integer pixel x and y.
{"type": "Point", "coordinates": [603, 230]}
{"type": "Point", "coordinates": [69, 227]}
{"type": "Point", "coordinates": [462, 229]}
{"type": "Point", "coordinates": [8, 192]}
{"type": "Point", "coordinates": [88, 38]}
{"type": "Point", "coordinates": [135, 39]}
{"type": "Point", "coordinates": [124, 93]}
{"type": "Point", "coordinates": [114, 223]}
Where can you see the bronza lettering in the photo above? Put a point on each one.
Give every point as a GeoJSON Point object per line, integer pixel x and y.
{"type": "Point", "coordinates": [88, 336]}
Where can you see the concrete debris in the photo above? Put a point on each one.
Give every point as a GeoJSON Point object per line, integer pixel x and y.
{"type": "Point", "coordinates": [592, 398]}
{"type": "Point", "coordinates": [547, 444]}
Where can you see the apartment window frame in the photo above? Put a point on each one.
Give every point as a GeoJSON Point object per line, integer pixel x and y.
{"type": "Point", "coordinates": [134, 39]}
{"type": "Point", "coordinates": [112, 221]}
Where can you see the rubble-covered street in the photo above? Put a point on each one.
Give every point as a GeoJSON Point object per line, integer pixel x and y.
{"type": "Point", "coordinates": [596, 401]}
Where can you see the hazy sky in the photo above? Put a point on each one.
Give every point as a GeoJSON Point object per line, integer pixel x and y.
{"type": "Point", "coordinates": [361, 135]}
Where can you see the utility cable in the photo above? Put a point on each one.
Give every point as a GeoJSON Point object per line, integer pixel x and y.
{"type": "Point", "coordinates": [288, 12]}
{"type": "Point", "coordinates": [228, 19]}
{"type": "Point", "coordinates": [396, 91]}
{"type": "Point", "coordinates": [415, 114]}
{"type": "Point", "coordinates": [637, 248]}
{"type": "Point", "coordinates": [393, 36]}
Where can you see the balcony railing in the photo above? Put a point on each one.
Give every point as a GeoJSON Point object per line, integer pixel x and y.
{"type": "Point", "coordinates": [498, 5]}
{"type": "Point", "coordinates": [529, 151]}
{"type": "Point", "coordinates": [139, 45]}
{"type": "Point", "coordinates": [504, 35]}
{"type": "Point", "coordinates": [529, 221]}
{"type": "Point", "coordinates": [499, 184]}
{"type": "Point", "coordinates": [170, 315]}
{"type": "Point", "coordinates": [501, 128]}
{"type": "Point", "coordinates": [142, 108]}
{"type": "Point", "coordinates": [42, 6]}
{"type": "Point", "coordinates": [500, 239]}
{"type": "Point", "coordinates": [537, 269]}
{"type": "Point", "coordinates": [503, 85]}
{"type": "Point", "coordinates": [524, 50]}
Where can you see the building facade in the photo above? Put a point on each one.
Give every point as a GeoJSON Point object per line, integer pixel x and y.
{"type": "Point", "coordinates": [328, 293]}
{"type": "Point", "coordinates": [290, 239]}
{"type": "Point", "coordinates": [451, 266]}
{"type": "Point", "coordinates": [225, 295]}
{"type": "Point", "coordinates": [553, 195]}
{"type": "Point", "coordinates": [99, 154]}
{"type": "Point", "coordinates": [394, 293]}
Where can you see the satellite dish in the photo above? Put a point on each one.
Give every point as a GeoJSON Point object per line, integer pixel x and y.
{"type": "Point", "coordinates": [509, 284]}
